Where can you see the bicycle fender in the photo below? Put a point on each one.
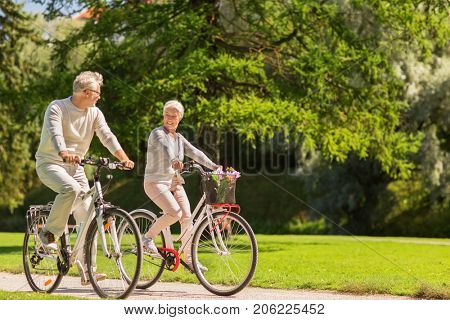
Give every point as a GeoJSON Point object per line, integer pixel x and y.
{"type": "Point", "coordinates": [154, 216]}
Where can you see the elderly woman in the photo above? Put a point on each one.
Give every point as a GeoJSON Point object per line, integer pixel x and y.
{"type": "Point", "coordinates": [162, 182]}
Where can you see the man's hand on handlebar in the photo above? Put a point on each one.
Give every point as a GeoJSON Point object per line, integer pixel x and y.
{"type": "Point", "coordinates": [127, 164]}
{"type": "Point", "coordinates": [70, 157]}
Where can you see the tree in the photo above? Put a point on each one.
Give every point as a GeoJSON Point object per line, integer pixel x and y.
{"type": "Point", "coordinates": [17, 121]}
{"type": "Point", "coordinates": [328, 72]}
{"type": "Point", "coordinates": [27, 84]}
{"type": "Point", "coordinates": [361, 197]}
{"type": "Point", "coordinates": [323, 69]}
{"type": "Point", "coordinates": [424, 200]}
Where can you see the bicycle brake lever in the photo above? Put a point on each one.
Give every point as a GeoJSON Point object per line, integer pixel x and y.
{"type": "Point", "coordinates": [104, 161]}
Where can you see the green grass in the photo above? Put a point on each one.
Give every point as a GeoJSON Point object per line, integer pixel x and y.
{"type": "Point", "coordinates": [7, 295]}
{"type": "Point", "coordinates": [415, 267]}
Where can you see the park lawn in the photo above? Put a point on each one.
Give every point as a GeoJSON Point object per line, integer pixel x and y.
{"type": "Point", "coordinates": [8, 295]}
{"type": "Point", "coordinates": [416, 267]}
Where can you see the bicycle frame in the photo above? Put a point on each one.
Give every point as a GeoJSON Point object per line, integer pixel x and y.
{"type": "Point", "coordinates": [96, 209]}
{"type": "Point", "coordinates": [198, 215]}
{"type": "Point", "coordinates": [201, 211]}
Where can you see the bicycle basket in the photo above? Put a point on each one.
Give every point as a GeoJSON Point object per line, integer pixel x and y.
{"type": "Point", "coordinates": [219, 188]}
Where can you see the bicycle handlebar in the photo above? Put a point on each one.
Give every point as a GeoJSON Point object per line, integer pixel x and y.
{"type": "Point", "coordinates": [190, 166]}
{"type": "Point", "coordinates": [103, 162]}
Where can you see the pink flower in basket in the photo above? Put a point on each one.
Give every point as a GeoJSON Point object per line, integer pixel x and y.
{"type": "Point", "coordinates": [225, 181]}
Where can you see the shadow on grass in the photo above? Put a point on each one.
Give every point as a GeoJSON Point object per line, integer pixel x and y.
{"type": "Point", "coordinates": [270, 249]}
{"type": "Point", "coordinates": [11, 249]}
{"type": "Point", "coordinates": [315, 243]}
{"type": "Point", "coordinates": [263, 247]}
{"type": "Point", "coordinates": [365, 288]}
{"type": "Point", "coordinates": [293, 243]}
{"type": "Point", "coordinates": [427, 291]}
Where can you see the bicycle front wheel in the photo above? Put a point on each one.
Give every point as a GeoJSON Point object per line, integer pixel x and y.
{"type": "Point", "coordinates": [226, 246]}
{"type": "Point", "coordinates": [114, 262]}
{"type": "Point", "coordinates": [40, 265]}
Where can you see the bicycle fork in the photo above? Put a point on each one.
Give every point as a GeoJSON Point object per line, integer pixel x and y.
{"type": "Point", "coordinates": [215, 228]}
{"type": "Point", "coordinates": [101, 231]}
{"type": "Point", "coordinates": [111, 225]}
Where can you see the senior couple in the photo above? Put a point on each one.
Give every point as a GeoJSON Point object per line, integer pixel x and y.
{"type": "Point", "coordinates": [68, 128]}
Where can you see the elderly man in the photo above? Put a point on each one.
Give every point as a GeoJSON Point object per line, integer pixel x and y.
{"type": "Point", "coordinates": [69, 125]}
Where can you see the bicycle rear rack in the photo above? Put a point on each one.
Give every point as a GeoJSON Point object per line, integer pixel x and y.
{"type": "Point", "coordinates": [33, 212]}
{"type": "Point", "coordinates": [229, 206]}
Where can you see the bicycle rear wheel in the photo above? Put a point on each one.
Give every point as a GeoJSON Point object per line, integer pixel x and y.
{"type": "Point", "coordinates": [40, 265]}
{"type": "Point", "coordinates": [152, 267]}
{"type": "Point", "coordinates": [121, 261]}
{"type": "Point", "coordinates": [226, 245]}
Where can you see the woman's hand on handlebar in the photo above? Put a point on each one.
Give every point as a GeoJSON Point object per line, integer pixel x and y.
{"type": "Point", "coordinates": [177, 165]}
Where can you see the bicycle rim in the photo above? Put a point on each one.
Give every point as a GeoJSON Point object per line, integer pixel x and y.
{"type": "Point", "coordinates": [122, 267]}
{"type": "Point", "coordinates": [227, 247]}
{"type": "Point", "coordinates": [152, 267]}
{"type": "Point", "coordinates": [40, 265]}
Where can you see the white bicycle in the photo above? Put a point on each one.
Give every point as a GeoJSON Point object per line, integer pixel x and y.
{"type": "Point", "coordinates": [222, 241]}
{"type": "Point", "coordinates": [118, 254]}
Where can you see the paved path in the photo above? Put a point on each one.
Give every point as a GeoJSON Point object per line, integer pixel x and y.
{"type": "Point", "coordinates": [182, 291]}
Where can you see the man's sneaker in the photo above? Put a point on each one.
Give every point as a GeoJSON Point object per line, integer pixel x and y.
{"type": "Point", "coordinates": [149, 246]}
{"type": "Point", "coordinates": [48, 240]}
{"type": "Point", "coordinates": [98, 277]}
{"type": "Point", "coordinates": [201, 267]}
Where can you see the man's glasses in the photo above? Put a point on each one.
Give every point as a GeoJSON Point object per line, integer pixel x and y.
{"type": "Point", "coordinates": [97, 92]}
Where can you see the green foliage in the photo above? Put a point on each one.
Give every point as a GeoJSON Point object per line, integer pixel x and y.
{"type": "Point", "coordinates": [17, 125]}
{"type": "Point", "coordinates": [314, 227]}
{"type": "Point", "coordinates": [260, 67]}
{"type": "Point", "coordinates": [27, 84]}
{"type": "Point", "coordinates": [361, 86]}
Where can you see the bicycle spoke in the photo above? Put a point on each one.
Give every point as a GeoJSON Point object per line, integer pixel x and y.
{"type": "Point", "coordinates": [40, 265]}
{"type": "Point", "coordinates": [152, 267]}
{"type": "Point", "coordinates": [230, 267]}
{"type": "Point", "coordinates": [121, 268]}
{"type": "Point", "coordinates": [231, 271]}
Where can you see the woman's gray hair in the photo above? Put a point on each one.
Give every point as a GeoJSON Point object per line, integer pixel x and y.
{"type": "Point", "coordinates": [176, 105]}
{"type": "Point", "coordinates": [86, 79]}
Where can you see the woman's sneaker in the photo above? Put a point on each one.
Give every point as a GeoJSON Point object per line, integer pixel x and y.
{"type": "Point", "coordinates": [201, 267]}
{"type": "Point", "coordinates": [149, 246]}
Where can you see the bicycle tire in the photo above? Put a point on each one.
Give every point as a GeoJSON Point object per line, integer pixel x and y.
{"type": "Point", "coordinates": [43, 285]}
{"type": "Point", "coordinates": [112, 215]}
{"type": "Point", "coordinates": [219, 285]}
{"type": "Point", "coordinates": [147, 261]}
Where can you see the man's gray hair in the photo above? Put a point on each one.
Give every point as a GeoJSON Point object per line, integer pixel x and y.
{"type": "Point", "coordinates": [176, 105]}
{"type": "Point", "coordinates": [86, 80]}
